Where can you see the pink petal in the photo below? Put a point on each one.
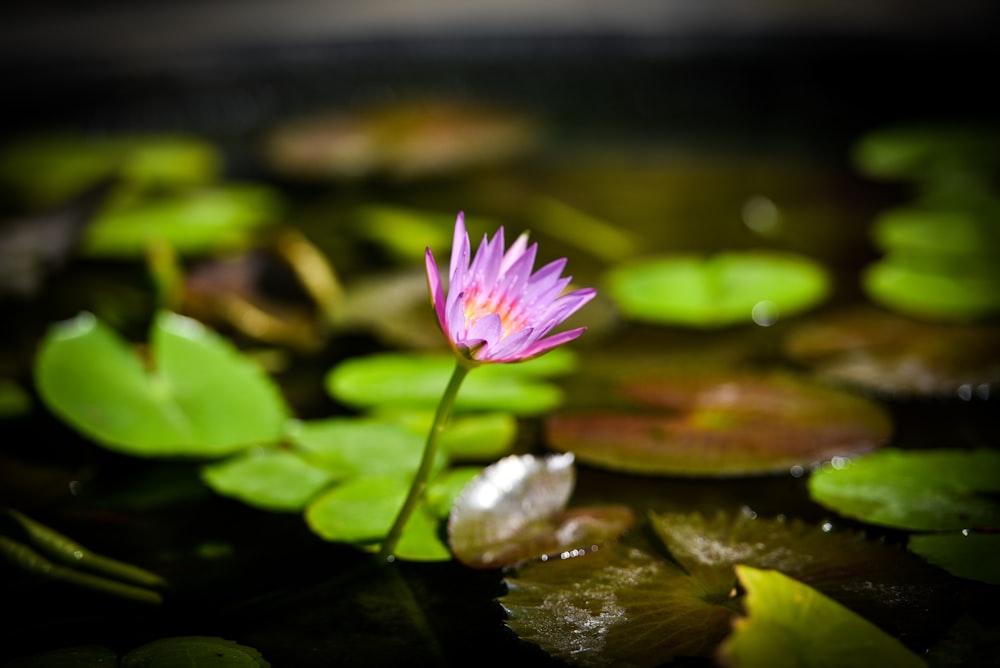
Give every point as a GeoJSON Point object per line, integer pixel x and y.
{"type": "Point", "coordinates": [436, 290]}
{"type": "Point", "coordinates": [459, 249]}
{"type": "Point", "coordinates": [545, 345]}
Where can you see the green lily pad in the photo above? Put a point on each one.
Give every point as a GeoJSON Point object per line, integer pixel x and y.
{"type": "Point", "coordinates": [470, 437]}
{"type": "Point", "coordinates": [725, 289]}
{"type": "Point", "coordinates": [969, 231]}
{"type": "Point", "coordinates": [632, 603]}
{"type": "Point", "coordinates": [223, 218]}
{"type": "Point", "coordinates": [269, 479]}
{"type": "Point", "coordinates": [514, 510]}
{"type": "Point", "coordinates": [954, 297]}
{"type": "Point", "coordinates": [358, 510]}
{"type": "Point", "coordinates": [351, 447]}
{"type": "Point", "coordinates": [927, 152]}
{"type": "Point", "coordinates": [965, 554]}
{"type": "Point", "coordinates": [362, 510]}
{"type": "Point", "coordinates": [790, 623]}
{"type": "Point", "coordinates": [201, 398]}
{"type": "Point", "coordinates": [926, 490]}
{"type": "Point", "coordinates": [194, 651]}
{"type": "Point", "coordinates": [889, 354]}
{"type": "Point", "coordinates": [722, 424]}
{"type": "Point", "coordinates": [46, 170]}
{"type": "Point", "coordinates": [417, 381]}
{"type": "Point", "coordinates": [14, 400]}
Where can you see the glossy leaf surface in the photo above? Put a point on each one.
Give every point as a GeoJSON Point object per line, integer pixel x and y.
{"type": "Point", "coordinates": [925, 490]}
{"type": "Point", "coordinates": [722, 424]}
{"type": "Point", "coordinates": [633, 603]}
{"type": "Point", "coordinates": [789, 623]}
{"type": "Point", "coordinates": [418, 381]}
{"type": "Point", "coordinates": [201, 397]}
{"type": "Point", "coordinates": [514, 510]}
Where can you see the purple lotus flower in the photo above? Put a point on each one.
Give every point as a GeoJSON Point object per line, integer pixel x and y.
{"type": "Point", "coordinates": [497, 310]}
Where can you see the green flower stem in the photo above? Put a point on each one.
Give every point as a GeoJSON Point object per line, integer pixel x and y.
{"type": "Point", "coordinates": [416, 492]}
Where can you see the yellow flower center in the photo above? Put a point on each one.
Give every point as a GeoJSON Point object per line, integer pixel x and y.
{"type": "Point", "coordinates": [477, 305]}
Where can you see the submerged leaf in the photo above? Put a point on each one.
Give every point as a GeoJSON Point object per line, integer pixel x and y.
{"type": "Point", "coordinates": [723, 424]}
{"type": "Point", "coordinates": [789, 623]}
{"type": "Point", "coordinates": [725, 289]}
{"type": "Point", "coordinates": [194, 651]}
{"type": "Point", "coordinates": [925, 490]}
{"type": "Point", "coordinates": [202, 398]}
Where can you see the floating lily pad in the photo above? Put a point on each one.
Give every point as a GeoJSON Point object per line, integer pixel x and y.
{"type": "Point", "coordinates": [956, 297]}
{"type": "Point", "coordinates": [965, 554]}
{"type": "Point", "coordinates": [418, 381]}
{"type": "Point", "coordinates": [789, 623]}
{"type": "Point", "coordinates": [200, 221]}
{"type": "Point", "coordinates": [722, 424]}
{"type": "Point", "coordinates": [270, 479]}
{"type": "Point", "coordinates": [351, 447]}
{"type": "Point", "coordinates": [362, 510]}
{"type": "Point", "coordinates": [479, 437]}
{"type": "Point", "coordinates": [401, 140]}
{"type": "Point", "coordinates": [924, 490]}
{"type": "Point", "coordinates": [630, 603]}
{"type": "Point", "coordinates": [201, 398]}
{"type": "Point", "coordinates": [891, 354]}
{"type": "Point", "coordinates": [194, 651]}
{"type": "Point", "coordinates": [46, 170]}
{"type": "Point", "coordinates": [515, 510]}
{"type": "Point", "coordinates": [927, 152]}
{"type": "Point", "coordinates": [720, 290]}
{"type": "Point", "coordinates": [942, 230]}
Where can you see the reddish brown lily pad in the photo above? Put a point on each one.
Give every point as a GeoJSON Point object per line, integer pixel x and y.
{"type": "Point", "coordinates": [893, 355]}
{"type": "Point", "coordinates": [713, 424]}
